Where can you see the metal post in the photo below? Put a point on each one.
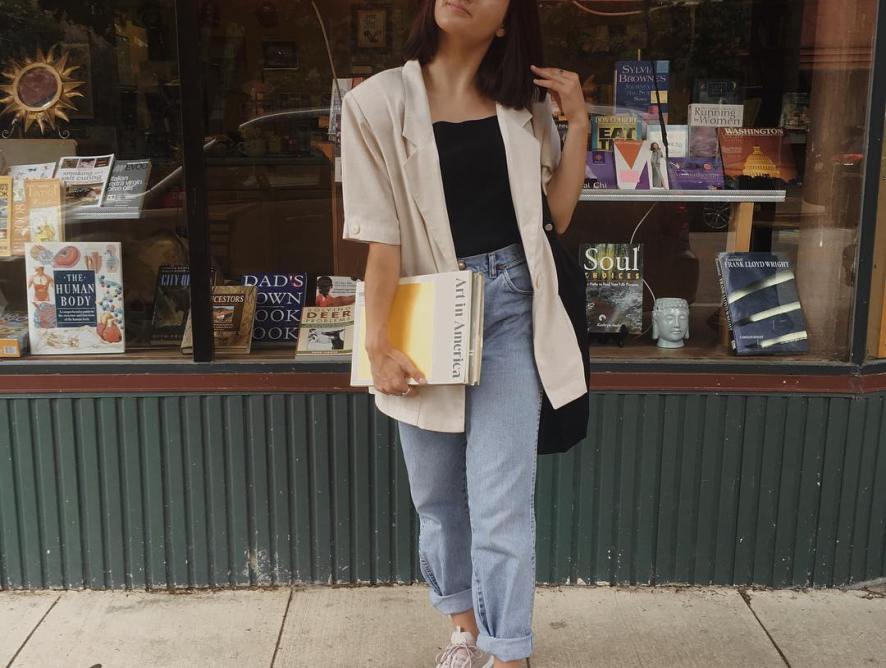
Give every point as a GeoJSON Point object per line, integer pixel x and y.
{"type": "Point", "coordinates": [196, 210]}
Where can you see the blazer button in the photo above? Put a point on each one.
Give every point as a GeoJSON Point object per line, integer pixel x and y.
{"type": "Point", "coordinates": [461, 264]}
{"type": "Point", "coordinates": [549, 227]}
{"type": "Point", "coordinates": [538, 282]}
{"type": "Point", "coordinates": [355, 229]}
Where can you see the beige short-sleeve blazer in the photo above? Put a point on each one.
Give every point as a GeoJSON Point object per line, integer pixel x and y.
{"type": "Point", "coordinates": [393, 193]}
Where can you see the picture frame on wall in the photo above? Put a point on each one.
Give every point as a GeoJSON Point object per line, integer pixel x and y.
{"type": "Point", "coordinates": [371, 27]}
{"type": "Point", "coordinates": [278, 55]}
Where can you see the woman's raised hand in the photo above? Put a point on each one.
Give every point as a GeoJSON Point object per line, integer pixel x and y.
{"type": "Point", "coordinates": [565, 88]}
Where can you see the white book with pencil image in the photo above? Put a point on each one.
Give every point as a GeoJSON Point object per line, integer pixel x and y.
{"type": "Point", "coordinates": [436, 320]}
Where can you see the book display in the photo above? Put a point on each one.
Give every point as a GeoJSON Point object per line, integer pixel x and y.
{"type": "Point", "coordinates": [84, 179]}
{"type": "Point", "coordinates": [127, 184]}
{"type": "Point", "coordinates": [233, 318]}
{"type": "Point", "coordinates": [75, 297]}
{"type": "Point", "coordinates": [325, 331]}
{"type": "Point", "coordinates": [45, 211]}
{"type": "Point", "coordinates": [278, 309]}
{"type": "Point", "coordinates": [762, 305]}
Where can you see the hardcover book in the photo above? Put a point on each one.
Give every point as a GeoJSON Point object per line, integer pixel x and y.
{"type": "Point", "coordinates": [278, 306]}
{"type": "Point", "coordinates": [75, 297]}
{"type": "Point", "coordinates": [85, 178]}
{"type": "Point", "coordinates": [635, 87]}
{"type": "Point", "coordinates": [233, 313]}
{"type": "Point", "coordinates": [704, 119]}
{"type": "Point", "coordinates": [600, 171]}
{"type": "Point", "coordinates": [795, 111]}
{"type": "Point", "coordinates": [762, 305]}
{"type": "Point", "coordinates": [45, 212]}
{"type": "Point", "coordinates": [613, 287]}
{"type": "Point", "coordinates": [334, 290]}
{"type": "Point", "coordinates": [606, 129]}
{"type": "Point", "coordinates": [717, 91]}
{"type": "Point", "coordinates": [13, 334]}
{"type": "Point", "coordinates": [632, 165]}
{"type": "Point", "coordinates": [695, 174]}
{"type": "Point", "coordinates": [127, 185]}
{"type": "Point", "coordinates": [678, 138]}
{"type": "Point", "coordinates": [437, 320]}
{"type": "Point", "coordinates": [172, 303]}
{"type": "Point", "coordinates": [325, 331]}
{"type": "Point", "coordinates": [21, 230]}
{"type": "Point", "coordinates": [756, 158]}
{"type": "Point", "coordinates": [6, 215]}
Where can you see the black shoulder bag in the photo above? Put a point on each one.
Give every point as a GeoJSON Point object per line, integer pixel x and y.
{"type": "Point", "coordinates": [560, 429]}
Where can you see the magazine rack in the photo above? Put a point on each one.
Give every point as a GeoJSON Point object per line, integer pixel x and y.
{"type": "Point", "coordinates": [741, 218]}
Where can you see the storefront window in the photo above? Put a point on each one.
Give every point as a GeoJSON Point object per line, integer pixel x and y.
{"type": "Point", "coordinates": [92, 106]}
{"type": "Point", "coordinates": [91, 224]}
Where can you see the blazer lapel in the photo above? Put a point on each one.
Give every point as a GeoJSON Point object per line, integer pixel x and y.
{"type": "Point", "coordinates": [425, 180]}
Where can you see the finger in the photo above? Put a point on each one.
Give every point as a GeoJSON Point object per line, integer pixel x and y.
{"type": "Point", "coordinates": [549, 83]}
{"type": "Point", "coordinates": [415, 372]}
{"type": "Point", "coordinates": [554, 72]}
{"type": "Point", "coordinates": [407, 366]}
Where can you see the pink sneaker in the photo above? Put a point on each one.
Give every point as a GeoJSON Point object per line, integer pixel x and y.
{"type": "Point", "coordinates": [462, 652]}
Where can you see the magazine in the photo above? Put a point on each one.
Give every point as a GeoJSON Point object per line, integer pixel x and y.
{"type": "Point", "coordinates": [85, 178]}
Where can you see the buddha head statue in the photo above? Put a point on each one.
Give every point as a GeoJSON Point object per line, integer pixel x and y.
{"type": "Point", "coordinates": [670, 322]}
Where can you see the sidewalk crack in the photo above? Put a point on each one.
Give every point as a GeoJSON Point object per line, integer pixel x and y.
{"type": "Point", "coordinates": [282, 626]}
{"type": "Point", "coordinates": [746, 597]}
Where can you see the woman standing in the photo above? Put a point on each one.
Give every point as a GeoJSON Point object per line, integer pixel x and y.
{"type": "Point", "coordinates": [444, 162]}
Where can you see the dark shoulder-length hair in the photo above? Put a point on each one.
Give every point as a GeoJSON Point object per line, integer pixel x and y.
{"type": "Point", "coordinates": [504, 73]}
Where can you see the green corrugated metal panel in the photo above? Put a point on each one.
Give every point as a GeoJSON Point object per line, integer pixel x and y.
{"type": "Point", "coordinates": [238, 490]}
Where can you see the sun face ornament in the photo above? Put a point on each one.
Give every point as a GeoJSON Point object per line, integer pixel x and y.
{"type": "Point", "coordinates": [40, 90]}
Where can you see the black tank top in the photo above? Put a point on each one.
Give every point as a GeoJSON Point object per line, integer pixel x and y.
{"type": "Point", "coordinates": [475, 180]}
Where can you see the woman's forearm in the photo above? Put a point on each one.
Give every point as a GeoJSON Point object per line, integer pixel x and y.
{"type": "Point", "coordinates": [564, 187]}
{"type": "Point", "coordinates": [381, 278]}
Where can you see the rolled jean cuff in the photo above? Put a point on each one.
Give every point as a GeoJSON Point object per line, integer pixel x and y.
{"type": "Point", "coordinates": [452, 603]}
{"type": "Point", "coordinates": [505, 649]}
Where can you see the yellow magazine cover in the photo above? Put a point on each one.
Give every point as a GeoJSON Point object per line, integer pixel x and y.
{"type": "Point", "coordinates": [6, 215]}
{"type": "Point", "coordinates": [437, 320]}
{"type": "Point", "coordinates": [45, 215]}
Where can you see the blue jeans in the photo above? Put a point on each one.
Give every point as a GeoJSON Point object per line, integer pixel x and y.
{"type": "Point", "coordinates": [474, 491]}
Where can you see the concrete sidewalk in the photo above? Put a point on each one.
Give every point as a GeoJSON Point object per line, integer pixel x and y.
{"type": "Point", "coordinates": [394, 626]}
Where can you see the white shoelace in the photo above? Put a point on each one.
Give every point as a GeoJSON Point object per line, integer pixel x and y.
{"type": "Point", "coordinates": [458, 655]}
